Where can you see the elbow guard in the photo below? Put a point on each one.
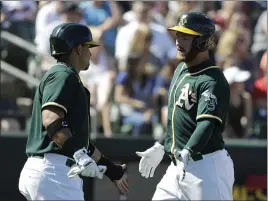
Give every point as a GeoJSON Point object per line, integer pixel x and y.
{"type": "Point", "coordinates": [56, 126]}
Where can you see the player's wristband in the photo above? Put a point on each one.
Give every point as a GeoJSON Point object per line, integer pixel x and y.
{"type": "Point", "coordinates": [69, 147]}
{"type": "Point", "coordinates": [113, 172]}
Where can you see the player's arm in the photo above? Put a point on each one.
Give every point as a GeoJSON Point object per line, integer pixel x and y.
{"type": "Point", "coordinates": [53, 114]}
{"type": "Point", "coordinates": [57, 94]}
{"type": "Point", "coordinates": [201, 135]}
{"type": "Point", "coordinates": [212, 109]}
{"type": "Point", "coordinates": [114, 172]}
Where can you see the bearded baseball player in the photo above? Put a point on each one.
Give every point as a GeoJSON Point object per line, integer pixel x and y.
{"type": "Point", "coordinates": [58, 145]}
{"type": "Point", "coordinates": [201, 169]}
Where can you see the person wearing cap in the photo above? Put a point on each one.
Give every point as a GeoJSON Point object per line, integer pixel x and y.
{"type": "Point", "coordinates": [239, 119]}
{"type": "Point", "coordinates": [199, 95]}
{"type": "Point", "coordinates": [58, 147]}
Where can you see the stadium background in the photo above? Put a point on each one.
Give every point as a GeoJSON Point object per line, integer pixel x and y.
{"type": "Point", "coordinates": [136, 31]}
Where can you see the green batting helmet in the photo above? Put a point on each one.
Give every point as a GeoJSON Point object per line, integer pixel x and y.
{"type": "Point", "coordinates": [197, 24]}
{"type": "Point", "coordinates": [67, 35]}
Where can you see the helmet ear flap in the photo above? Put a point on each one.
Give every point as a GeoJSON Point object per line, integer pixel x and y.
{"type": "Point", "coordinates": [204, 42]}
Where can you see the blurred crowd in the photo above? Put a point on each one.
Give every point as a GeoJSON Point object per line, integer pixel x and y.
{"type": "Point", "coordinates": [130, 74]}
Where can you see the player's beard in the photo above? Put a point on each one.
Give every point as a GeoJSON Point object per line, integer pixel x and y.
{"type": "Point", "coordinates": [191, 55]}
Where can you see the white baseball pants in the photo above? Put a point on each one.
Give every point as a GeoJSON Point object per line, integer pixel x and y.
{"type": "Point", "coordinates": [211, 178]}
{"type": "Point", "coordinates": [46, 179]}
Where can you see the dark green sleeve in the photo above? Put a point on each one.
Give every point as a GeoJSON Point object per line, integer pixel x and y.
{"type": "Point", "coordinates": [201, 135]}
{"type": "Point", "coordinates": [213, 101]}
{"type": "Point", "coordinates": [59, 90]}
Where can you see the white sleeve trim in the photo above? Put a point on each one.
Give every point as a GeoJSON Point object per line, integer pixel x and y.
{"type": "Point", "coordinates": [55, 104]}
{"type": "Point", "coordinates": [208, 116]}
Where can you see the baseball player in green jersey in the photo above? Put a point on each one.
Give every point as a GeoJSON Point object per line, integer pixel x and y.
{"type": "Point", "coordinates": [58, 145]}
{"type": "Point", "coordinates": [201, 169]}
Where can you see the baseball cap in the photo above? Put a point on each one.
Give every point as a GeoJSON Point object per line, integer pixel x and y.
{"type": "Point", "coordinates": [234, 74]}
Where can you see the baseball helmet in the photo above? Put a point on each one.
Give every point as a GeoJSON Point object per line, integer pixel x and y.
{"type": "Point", "coordinates": [67, 35]}
{"type": "Point", "coordinates": [197, 24]}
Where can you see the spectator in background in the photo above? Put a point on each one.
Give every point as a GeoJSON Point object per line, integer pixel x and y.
{"type": "Point", "coordinates": [260, 37]}
{"type": "Point", "coordinates": [19, 11]}
{"type": "Point", "coordinates": [140, 44]}
{"type": "Point", "coordinates": [105, 16]}
{"type": "Point", "coordinates": [160, 92]}
{"type": "Point", "coordinates": [69, 12]}
{"type": "Point", "coordinates": [233, 49]}
{"type": "Point", "coordinates": [259, 95]}
{"type": "Point", "coordinates": [159, 12]}
{"type": "Point", "coordinates": [99, 79]}
{"type": "Point", "coordinates": [162, 44]}
{"type": "Point", "coordinates": [18, 19]}
{"type": "Point", "coordinates": [239, 118]}
{"type": "Point", "coordinates": [133, 93]}
{"type": "Point", "coordinates": [239, 20]}
{"type": "Point", "coordinates": [63, 12]}
{"type": "Point", "coordinates": [47, 14]}
{"type": "Point", "coordinates": [176, 8]}
{"type": "Point", "coordinates": [137, 83]}
{"type": "Point", "coordinates": [225, 13]}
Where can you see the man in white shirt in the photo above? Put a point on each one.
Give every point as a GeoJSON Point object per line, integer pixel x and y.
{"type": "Point", "coordinates": [162, 45]}
{"type": "Point", "coordinates": [47, 14]}
{"type": "Point", "coordinates": [69, 12]}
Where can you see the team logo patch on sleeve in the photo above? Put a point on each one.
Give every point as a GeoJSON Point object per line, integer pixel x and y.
{"type": "Point", "coordinates": [211, 99]}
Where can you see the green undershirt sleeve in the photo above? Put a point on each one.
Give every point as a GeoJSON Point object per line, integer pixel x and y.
{"type": "Point", "coordinates": [201, 135]}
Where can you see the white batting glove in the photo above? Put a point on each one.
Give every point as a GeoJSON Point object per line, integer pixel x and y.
{"type": "Point", "coordinates": [182, 158]}
{"type": "Point", "coordinates": [150, 159]}
{"type": "Point", "coordinates": [86, 166]}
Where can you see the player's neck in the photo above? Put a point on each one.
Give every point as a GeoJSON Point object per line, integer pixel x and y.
{"type": "Point", "coordinates": [201, 57]}
{"type": "Point", "coordinates": [73, 64]}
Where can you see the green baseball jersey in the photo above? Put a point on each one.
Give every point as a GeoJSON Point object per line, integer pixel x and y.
{"type": "Point", "coordinates": [196, 93]}
{"type": "Point", "coordinates": [60, 87]}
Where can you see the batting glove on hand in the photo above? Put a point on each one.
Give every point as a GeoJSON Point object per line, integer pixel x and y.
{"type": "Point", "coordinates": [150, 159]}
{"type": "Point", "coordinates": [182, 158]}
{"type": "Point", "coordinates": [86, 166]}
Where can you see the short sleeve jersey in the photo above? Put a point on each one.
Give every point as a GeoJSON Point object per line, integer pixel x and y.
{"type": "Point", "coordinates": [60, 87]}
{"type": "Point", "coordinates": [196, 93]}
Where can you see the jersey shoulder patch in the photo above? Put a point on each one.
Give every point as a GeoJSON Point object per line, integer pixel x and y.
{"type": "Point", "coordinates": [211, 99]}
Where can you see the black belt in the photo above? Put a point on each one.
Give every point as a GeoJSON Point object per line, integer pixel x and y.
{"type": "Point", "coordinates": [196, 157]}
{"type": "Point", "coordinates": [69, 162]}
{"type": "Point", "coordinates": [173, 159]}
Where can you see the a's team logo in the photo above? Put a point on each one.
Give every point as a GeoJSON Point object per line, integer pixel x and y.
{"type": "Point", "coordinates": [211, 99]}
{"type": "Point", "coordinates": [182, 21]}
{"type": "Point", "coordinates": [187, 98]}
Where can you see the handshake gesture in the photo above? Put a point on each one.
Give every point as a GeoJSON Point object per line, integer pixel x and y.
{"type": "Point", "coordinates": [87, 167]}
{"type": "Point", "coordinates": [151, 158]}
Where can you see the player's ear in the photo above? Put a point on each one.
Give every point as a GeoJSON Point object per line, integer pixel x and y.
{"type": "Point", "coordinates": [79, 49]}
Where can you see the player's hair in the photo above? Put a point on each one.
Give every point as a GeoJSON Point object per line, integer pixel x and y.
{"type": "Point", "coordinates": [62, 58]}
